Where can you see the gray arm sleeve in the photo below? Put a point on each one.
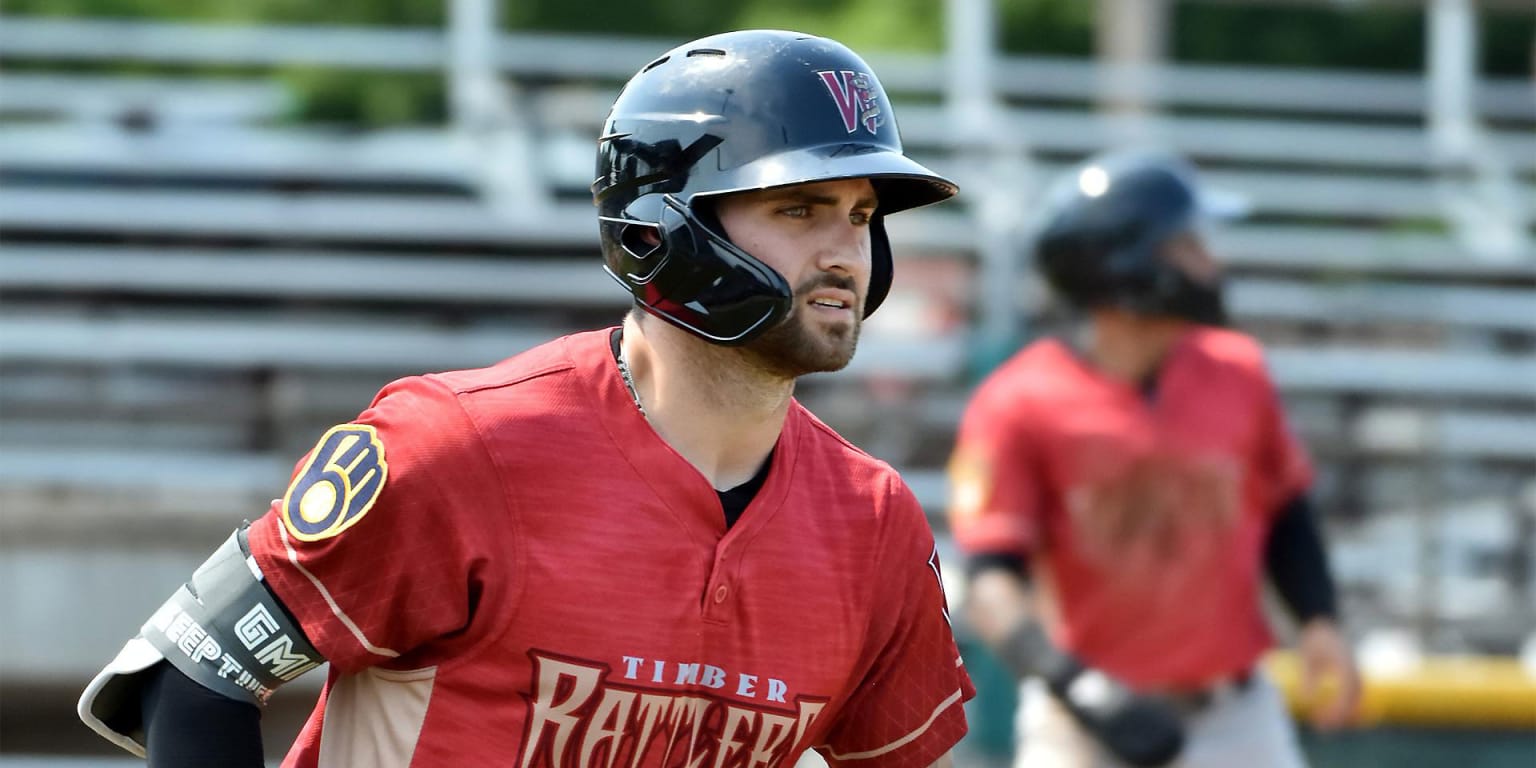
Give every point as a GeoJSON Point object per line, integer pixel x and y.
{"type": "Point", "coordinates": [223, 629]}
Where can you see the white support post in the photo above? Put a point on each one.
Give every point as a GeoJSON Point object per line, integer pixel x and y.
{"type": "Point", "coordinates": [970, 33]}
{"type": "Point", "coordinates": [482, 109]}
{"type": "Point", "coordinates": [1452, 77]}
{"type": "Point", "coordinates": [1132, 41]}
{"type": "Point", "coordinates": [471, 62]}
{"type": "Point", "coordinates": [996, 174]}
{"type": "Point", "coordinates": [1477, 186]}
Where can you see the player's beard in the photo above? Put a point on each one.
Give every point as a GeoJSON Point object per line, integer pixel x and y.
{"type": "Point", "coordinates": [799, 345]}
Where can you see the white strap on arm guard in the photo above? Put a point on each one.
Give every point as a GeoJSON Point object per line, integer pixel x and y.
{"type": "Point", "coordinates": [224, 629]}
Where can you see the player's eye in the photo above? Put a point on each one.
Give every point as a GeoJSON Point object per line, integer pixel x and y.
{"type": "Point", "coordinates": [861, 218]}
{"type": "Point", "coordinates": [795, 211]}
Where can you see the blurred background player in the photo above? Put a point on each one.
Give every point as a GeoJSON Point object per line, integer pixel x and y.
{"type": "Point", "coordinates": [631, 541]}
{"type": "Point", "coordinates": [1123, 491]}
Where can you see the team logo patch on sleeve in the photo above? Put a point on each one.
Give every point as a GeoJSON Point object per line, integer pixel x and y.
{"type": "Point", "coordinates": [970, 485]}
{"type": "Point", "coordinates": [338, 486]}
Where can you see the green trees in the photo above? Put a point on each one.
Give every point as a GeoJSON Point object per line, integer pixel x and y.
{"type": "Point", "coordinates": [1387, 36]}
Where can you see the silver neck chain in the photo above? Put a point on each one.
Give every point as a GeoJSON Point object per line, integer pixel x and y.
{"type": "Point", "coordinates": [629, 382]}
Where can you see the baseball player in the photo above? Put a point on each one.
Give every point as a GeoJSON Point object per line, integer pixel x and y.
{"type": "Point", "coordinates": [626, 547]}
{"type": "Point", "coordinates": [1123, 491]}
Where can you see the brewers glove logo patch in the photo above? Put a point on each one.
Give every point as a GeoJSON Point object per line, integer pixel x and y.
{"type": "Point", "coordinates": [338, 485]}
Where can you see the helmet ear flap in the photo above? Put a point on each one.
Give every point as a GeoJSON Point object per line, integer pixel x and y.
{"type": "Point", "coordinates": [694, 277]}
{"type": "Point", "coordinates": [882, 266]}
{"type": "Point", "coordinates": [643, 240]}
{"type": "Point", "coordinates": [641, 249]}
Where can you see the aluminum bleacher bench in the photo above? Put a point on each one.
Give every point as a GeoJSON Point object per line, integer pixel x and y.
{"type": "Point", "coordinates": [309, 274]}
{"type": "Point", "coordinates": [1335, 250]}
{"type": "Point", "coordinates": [371, 217]}
{"type": "Point", "coordinates": [234, 340]}
{"type": "Point", "coordinates": [96, 98]}
{"type": "Point", "coordinates": [1247, 139]}
{"type": "Point", "coordinates": [1385, 303]}
{"type": "Point", "coordinates": [276, 215]}
{"type": "Point", "coordinates": [252, 155]}
{"type": "Point", "coordinates": [437, 277]}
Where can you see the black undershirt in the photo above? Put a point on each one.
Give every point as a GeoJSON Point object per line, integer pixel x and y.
{"type": "Point", "coordinates": [735, 501]}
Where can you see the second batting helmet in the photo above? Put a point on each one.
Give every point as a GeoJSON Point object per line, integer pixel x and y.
{"type": "Point", "coordinates": [1105, 227]}
{"type": "Point", "coordinates": [730, 113]}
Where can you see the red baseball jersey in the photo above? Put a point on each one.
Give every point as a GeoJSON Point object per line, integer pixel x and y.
{"type": "Point", "coordinates": [1144, 518]}
{"type": "Point", "coordinates": [509, 567]}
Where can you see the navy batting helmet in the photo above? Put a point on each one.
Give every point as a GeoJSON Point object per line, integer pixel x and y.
{"type": "Point", "coordinates": [730, 113]}
{"type": "Point", "coordinates": [1105, 228]}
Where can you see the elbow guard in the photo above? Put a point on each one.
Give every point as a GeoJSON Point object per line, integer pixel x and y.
{"type": "Point", "coordinates": [223, 629]}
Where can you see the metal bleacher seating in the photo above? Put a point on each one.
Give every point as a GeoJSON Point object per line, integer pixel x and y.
{"type": "Point", "coordinates": [192, 286]}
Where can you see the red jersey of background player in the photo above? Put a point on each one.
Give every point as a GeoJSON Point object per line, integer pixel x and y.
{"type": "Point", "coordinates": [1055, 461]}
{"type": "Point", "coordinates": [521, 572]}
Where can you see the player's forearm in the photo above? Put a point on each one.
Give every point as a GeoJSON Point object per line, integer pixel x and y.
{"type": "Point", "coordinates": [1001, 610]}
{"type": "Point", "coordinates": [1141, 730]}
{"type": "Point", "coordinates": [187, 725]}
{"type": "Point", "coordinates": [996, 603]}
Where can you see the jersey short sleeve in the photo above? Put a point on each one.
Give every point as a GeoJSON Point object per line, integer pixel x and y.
{"type": "Point", "coordinates": [994, 483]}
{"type": "Point", "coordinates": [908, 710]}
{"type": "Point", "coordinates": [374, 546]}
{"type": "Point", "coordinates": [1281, 465]}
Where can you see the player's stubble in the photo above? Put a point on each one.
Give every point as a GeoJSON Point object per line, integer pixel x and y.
{"type": "Point", "coordinates": [801, 344]}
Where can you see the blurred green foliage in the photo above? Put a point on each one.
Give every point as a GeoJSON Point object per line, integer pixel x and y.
{"type": "Point", "coordinates": [1048, 27]}
{"type": "Point", "coordinates": [1386, 37]}
{"type": "Point", "coordinates": [910, 25]}
{"type": "Point", "coordinates": [1352, 35]}
{"type": "Point", "coordinates": [367, 99]}
{"type": "Point", "coordinates": [380, 12]}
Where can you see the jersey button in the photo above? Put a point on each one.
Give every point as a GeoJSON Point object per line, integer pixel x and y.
{"type": "Point", "coordinates": [721, 592]}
